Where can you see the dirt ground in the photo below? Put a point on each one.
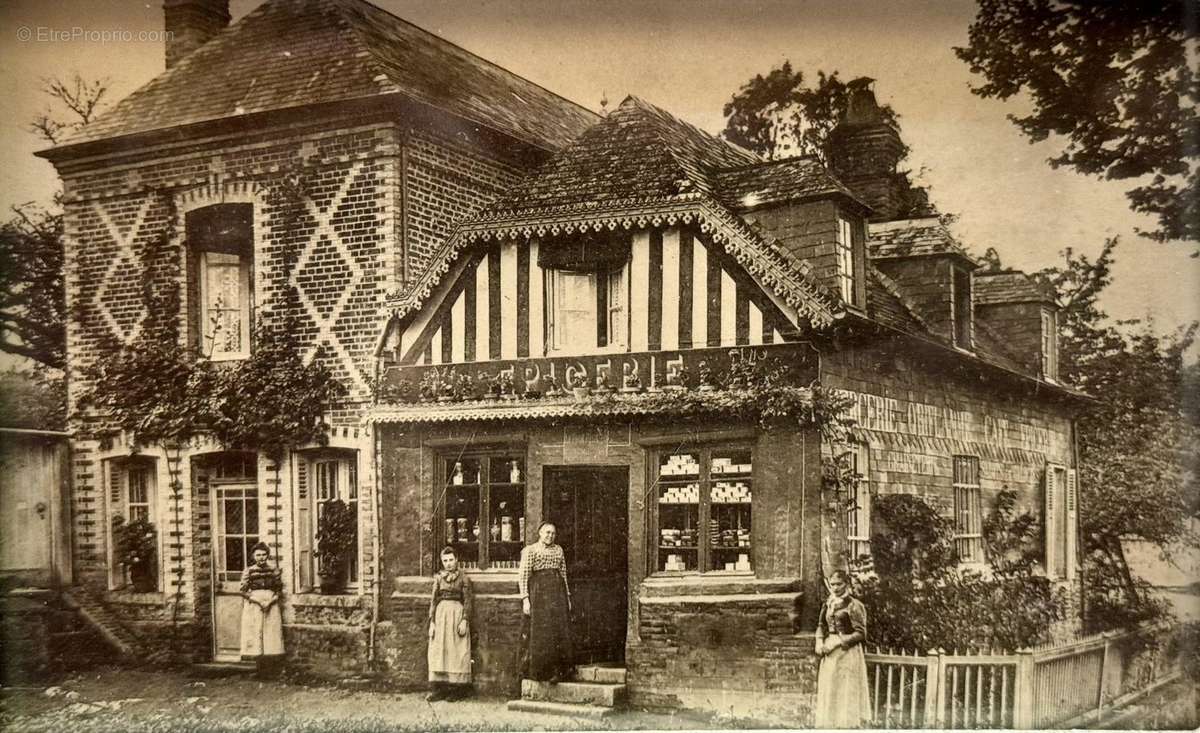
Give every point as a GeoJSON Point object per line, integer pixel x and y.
{"type": "Point", "coordinates": [136, 700]}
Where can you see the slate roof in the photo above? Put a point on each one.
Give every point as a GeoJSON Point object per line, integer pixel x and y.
{"type": "Point", "coordinates": [294, 53]}
{"type": "Point", "coordinates": [913, 238]}
{"type": "Point", "coordinates": [763, 184]}
{"type": "Point", "coordinates": [1012, 287]}
{"type": "Point", "coordinates": [637, 152]}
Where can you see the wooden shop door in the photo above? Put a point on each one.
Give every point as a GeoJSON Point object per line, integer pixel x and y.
{"type": "Point", "coordinates": [589, 506]}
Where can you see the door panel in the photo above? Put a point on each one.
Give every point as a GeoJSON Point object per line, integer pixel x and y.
{"type": "Point", "coordinates": [589, 506]}
{"type": "Point", "coordinates": [235, 531]}
{"type": "Point", "coordinates": [24, 507]}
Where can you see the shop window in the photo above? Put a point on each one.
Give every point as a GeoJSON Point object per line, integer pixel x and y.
{"type": "Point", "coordinates": [968, 515]}
{"type": "Point", "coordinates": [703, 510]}
{"type": "Point", "coordinates": [1049, 344]}
{"type": "Point", "coordinates": [482, 508]}
{"type": "Point", "coordinates": [858, 516]}
{"type": "Point", "coordinates": [132, 492]}
{"type": "Point", "coordinates": [221, 252]}
{"type": "Point", "coordinates": [1060, 518]}
{"type": "Point", "coordinates": [322, 477]}
{"type": "Point", "coordinates": [587, 311]}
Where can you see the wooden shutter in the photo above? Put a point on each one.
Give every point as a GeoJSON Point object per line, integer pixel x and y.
{"type": "Point", "coordinates": [1072, 502]}
{"type": "Point", "coordinates": [303, 517]}
{"type": "Point", "coordinates": [116, 508]}
{"type": "Point", "coordinates": [1051, 507]}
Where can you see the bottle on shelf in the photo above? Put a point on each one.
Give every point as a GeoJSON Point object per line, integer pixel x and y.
{"type": "Point", "coordinates": [457, 478]}
{"type": "Point", "coordinates": [506, 529]}
{"type": "Point", "coordinates": [495, 529]}
{"type": "Point", "coordinates": [514, 473]}
{"type": "Point", "coordinates": [475, 530]}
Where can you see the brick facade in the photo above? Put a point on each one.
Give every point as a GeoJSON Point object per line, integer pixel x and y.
{"type": "Point", "coordinates": [379, 196]}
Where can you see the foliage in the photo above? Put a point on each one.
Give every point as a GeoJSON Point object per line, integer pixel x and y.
{"type": "Point", "coordinates": [337, 534]}
{"type": "Point", "coordinates": [33, 398]}
{"type": "Point", "coordinates": [919, 598]}
{"type": "Point", "coordinates": [79, 101]}
{"type": "Point", "coordinates": [1115, 81]}
{"type": "Point", "coordinates": [781, 116]}
{"type": "Point", "coordinates": [136, 542]}
{"type": "Point", "coordinates": [32, 298]}
{"type": "Point", "coordinates": [272, 400]}
{"type": "Point", "coordinates": [1138, 446]}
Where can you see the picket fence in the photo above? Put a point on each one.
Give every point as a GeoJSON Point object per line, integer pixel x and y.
{"type": "Point", "coordinates": [1059, 685]}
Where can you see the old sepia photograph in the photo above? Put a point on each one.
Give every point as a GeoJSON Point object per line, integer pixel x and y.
{"type": "Point", "coordinates": [564, 365]}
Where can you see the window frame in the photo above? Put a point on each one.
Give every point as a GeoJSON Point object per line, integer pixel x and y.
{"type": "Point", "coordinates": [1049, 344]}
{"type": "Point", "coordinates": [208, 335]}
{"type": "Point", "coordinates": [962, 313]}
{"type": "Point", "coordinates": [858, 516]}
{"type": "Point", "coordinates": [968, 510]}
{"type": "Point", "coordinates": [848, 273]}
{"type": "Point", "coordinates": [117, 497]}
{"type": "Point", "coordinates": [704, 451]}
{"type": "Point", "coordinates": [310, 496]}
{"type": "Point", "coordinates": [600, 296]}
{"type": "Point", "coordinates": [489, 459]}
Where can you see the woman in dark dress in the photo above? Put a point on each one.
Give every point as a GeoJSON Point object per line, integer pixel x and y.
{"type": "Point", "coordinates": [546, 602]}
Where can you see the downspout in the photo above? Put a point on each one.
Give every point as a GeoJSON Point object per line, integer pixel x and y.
{"type": "Point", "coordinates": [376, 503]}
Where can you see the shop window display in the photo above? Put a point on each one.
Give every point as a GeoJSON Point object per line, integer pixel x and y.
{"type": "Point", "coordinates": [704, 500]}
{"type": "Point", "coordinates": [484, 509]}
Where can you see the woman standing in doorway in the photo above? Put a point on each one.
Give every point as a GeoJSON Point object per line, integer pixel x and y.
{"type": "Point", "coordinates": [843, 699]}
{"type": "Point", "coordinates": [262, 621]}
{"type": "Point", "coordinates": [546, 603]}
{"type": "Point", "coordinates": [449, 654]}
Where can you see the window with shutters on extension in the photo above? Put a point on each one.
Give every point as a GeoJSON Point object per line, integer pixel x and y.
{"type": "Point", "coordinates": [858, 516]}
{"type": "Point", "coordinates": [322, 476]}
{"type": "Point", "coordinates": [968, 512]}
{"type": "Point", "coordinates": [587, 311]}
{"type": "Point", "coordinates": [1061, 517]}
{"type": "Point", "coordinates": [131, 492]}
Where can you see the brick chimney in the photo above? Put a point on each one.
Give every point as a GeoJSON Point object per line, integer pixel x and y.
{"type": "Point", "coordinates": [192, 23]}
{"type": "Point", "coordinates": [864, 151]}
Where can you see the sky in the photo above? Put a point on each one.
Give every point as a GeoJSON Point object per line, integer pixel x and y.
{"type": "Point", "coordinates": [689, 57]}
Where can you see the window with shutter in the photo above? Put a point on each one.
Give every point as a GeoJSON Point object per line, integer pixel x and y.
{"type": "Point", "coordinates": [321, 476]}
{"type": "Point", "coordinates": [858, 517]}
{"type": "Point", "coordinates": [131, 498]}
{"type": "Point", "coordinates": [1059, 560]}
{"type": "Point", "coordinates": [968, 512]}
{"type": "Point", "coordinates": [303, 525]}
{"type": "Point", "coordinates": [1072, 522]}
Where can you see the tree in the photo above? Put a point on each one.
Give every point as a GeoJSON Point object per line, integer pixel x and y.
{"type": "Point", "coordinates": [780, 116]}
{"type": "Point", "coordinates": [32, 299]}
{"type": "Point", "coordinates": [1137, 442]}
{"type": "Point", "coordinates": [1115, 81]}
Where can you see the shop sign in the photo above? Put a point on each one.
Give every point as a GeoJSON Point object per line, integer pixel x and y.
{"type": "Point", "coordinates": [652, 369]}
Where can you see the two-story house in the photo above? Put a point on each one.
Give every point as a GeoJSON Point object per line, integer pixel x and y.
{"type": "Point", "coordinates": [482, 248]}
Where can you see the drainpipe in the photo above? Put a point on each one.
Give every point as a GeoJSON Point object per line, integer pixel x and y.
{"type": "Point", "coordinates": [376, 503]}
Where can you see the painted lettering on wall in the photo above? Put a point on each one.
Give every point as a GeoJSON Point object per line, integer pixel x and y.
{"type": "Point", "coordinates": [890, 415]}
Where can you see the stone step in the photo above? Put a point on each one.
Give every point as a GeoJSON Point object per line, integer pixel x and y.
{"type": "Point", "coordinates": [222, 669]}
{"type": "Point", "coordinates": [560, 708]}
{"type": "Point", "coordinates": [607, 675]}
{"type": "Point", "coordinates": [583, 693]}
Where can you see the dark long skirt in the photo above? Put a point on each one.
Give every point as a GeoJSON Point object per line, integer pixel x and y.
{"type": "Point", "coordinates": [548, 640]}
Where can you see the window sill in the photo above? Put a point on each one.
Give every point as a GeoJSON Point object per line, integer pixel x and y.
{"type": "Point", "coordinates": [714, 583]}
{"type": "Point", "coordinates": [133, 598]}
{"type": "Point", "coordinates": [351, 599]}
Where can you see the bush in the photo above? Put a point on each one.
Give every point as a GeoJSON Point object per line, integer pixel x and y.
{"type": "Point", "coordinates": [137, 549]}
{"type": "Point", "coordinates": [919, 598]}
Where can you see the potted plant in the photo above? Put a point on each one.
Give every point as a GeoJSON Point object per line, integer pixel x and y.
{"type": "Point", "coordinates": [706, 377]}
{"type": "Point", "coordinates": [579, 385]}
{"type": "Point", "coordinates": [137, 549]}
{"type": "Point", "coordinates": [491, 386]}
{"type": "Point", "coordinates": [445, 385]}
{"type": "Point", "coordinates": [464, 387]}
{"type": "Point", "coordinates": [631, 384]}
{"type": "Point", "coordinates": [427, 389]}
{"type": "Point", "coordinates": [507, 388]}
{"type": "Point", "coordinates": [678, 381]}
{"type": "Point", "coordinates": [603, 386]}
{"type": "Point", "coordinates": [550, 386]}
{"type": "Point", "coordinates": [337, 534]}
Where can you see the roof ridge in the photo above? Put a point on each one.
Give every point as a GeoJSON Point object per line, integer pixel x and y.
{"type": "Point", "coordinates": [777, 161]}
{"type": "Point", "coordinates": [342, 3]}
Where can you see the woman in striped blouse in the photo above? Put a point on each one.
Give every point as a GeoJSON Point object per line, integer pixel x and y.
{"type": "Point", "coordinates": [546, 603]}
{"type": "Point", "coordinates": [262, 622]}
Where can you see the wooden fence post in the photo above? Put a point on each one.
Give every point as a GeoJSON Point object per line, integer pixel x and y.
{"type": "Point", "coordinates": [1024, 705]}
{"type": "Point", "coordinates": [1104, 667]}
{"type": "Point", "coordinates": [934, 689]}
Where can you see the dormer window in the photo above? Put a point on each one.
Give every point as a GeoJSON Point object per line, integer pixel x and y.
{"type": "Point", "coordinates": [848, 267]}
{"type": "Point", "coordinates": [1049, 344]}
{"type": "Point", "coordinates": [587, 311]}
{"type": "Point", "coordinates": [963, 307]}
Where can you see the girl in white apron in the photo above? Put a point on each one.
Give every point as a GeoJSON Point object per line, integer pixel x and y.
{"type": "Point", "coordinates": [262, 621]}
{"type": "Point", "coordinates": [450, 631]}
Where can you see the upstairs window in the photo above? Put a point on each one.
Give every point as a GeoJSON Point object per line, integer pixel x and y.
{"type": "Point", "coordinates": [1049, 344]}
{"type": "Point", "coordinates": [587, 311]}
{"type": "Point", "coordinates": [962, 313]}
{"type": "Point", "coordinates": [220, 254]}
{"type": "Point", "coordinates": [847, 268]}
